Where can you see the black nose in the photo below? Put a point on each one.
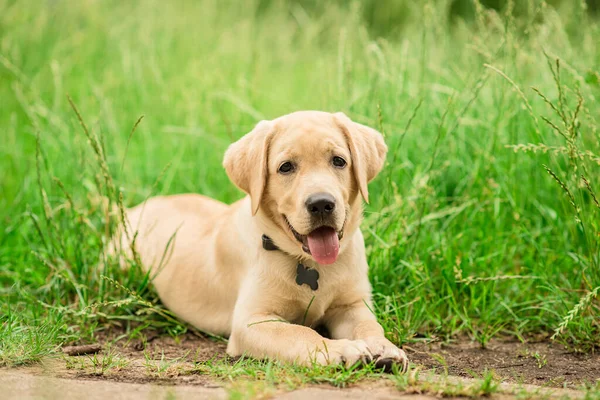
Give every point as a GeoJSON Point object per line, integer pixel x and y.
{"type": "Point", "coordinates": [320, 204]}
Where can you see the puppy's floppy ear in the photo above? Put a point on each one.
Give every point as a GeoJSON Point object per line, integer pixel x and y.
{"type": "Point", "coordinates": [367, 149]}
{"type": "Point", "coordinates": [245, 162]}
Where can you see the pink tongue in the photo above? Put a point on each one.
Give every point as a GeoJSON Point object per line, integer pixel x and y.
{"type": "Point", "coordinates": [324, 245]}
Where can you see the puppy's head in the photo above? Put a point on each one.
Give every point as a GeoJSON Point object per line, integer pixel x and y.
{"type": "Point", "coordinates": [305, 172]}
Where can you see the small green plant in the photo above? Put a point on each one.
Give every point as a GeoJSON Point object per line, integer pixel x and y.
{"type": "Point", "coordinates": [108, 361]}
{"type": "Point", "coordinates": [441, 360]}
{"type": "Point", "coordinates": [484, 333]}
{"type": "Point", "coordinates": [486, 386]}
{"type": "Point", "coordinates": [540, 358]}
{"type": "Point", "coordinates": [163, 366]}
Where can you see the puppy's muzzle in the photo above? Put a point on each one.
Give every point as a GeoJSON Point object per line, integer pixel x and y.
{"type": "Point", "coordinates": [322, 241]}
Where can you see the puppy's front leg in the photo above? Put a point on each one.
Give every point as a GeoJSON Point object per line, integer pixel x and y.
{"type": "Point", "coordinates": [267, 335]}
{"type": "Point", "coordinates": [355, 321]}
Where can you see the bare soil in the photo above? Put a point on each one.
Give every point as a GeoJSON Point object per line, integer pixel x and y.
{"type": "Point", "coordinates": [156, 359]}
{"type": "Point", "coordinates": [543, 363]}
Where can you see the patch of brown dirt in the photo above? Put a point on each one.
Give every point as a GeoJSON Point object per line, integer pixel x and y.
{"type": "Point", "coordinates": [173, 361]}
{"type": "Point", "coordinates": [544, 364]}
{"type": "Point", "coordinates": [156, 359]}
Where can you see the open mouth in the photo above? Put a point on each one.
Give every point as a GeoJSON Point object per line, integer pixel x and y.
{"type": "Point", "coordinates": [322, 243]}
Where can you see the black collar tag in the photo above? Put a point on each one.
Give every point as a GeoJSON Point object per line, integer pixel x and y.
{"type": "Point", "coordinates": [307, 275]}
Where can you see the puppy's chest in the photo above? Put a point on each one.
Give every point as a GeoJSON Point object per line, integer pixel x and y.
{"type": "Point", "coordinates": [308, 307]}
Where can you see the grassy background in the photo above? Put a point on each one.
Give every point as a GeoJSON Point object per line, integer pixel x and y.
{"type": "Point", "coordinates": [467, 233]}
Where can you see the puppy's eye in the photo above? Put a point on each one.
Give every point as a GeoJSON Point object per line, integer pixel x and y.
{"type": "Point", "coordinates": [338, 162]}
{"type": "Point", "coordinates": [286, 168]}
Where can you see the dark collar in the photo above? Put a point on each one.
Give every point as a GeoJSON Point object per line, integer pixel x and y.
{"type": "Point", "coordinates": [304, 275]}
{"type": "Point", "coordinates": [268, 243]}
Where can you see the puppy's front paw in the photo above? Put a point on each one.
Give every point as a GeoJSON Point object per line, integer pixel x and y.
{"type": "Point", "coordinates": [386, 354]}
{"type": "Point", "coordinates": [344, 352]}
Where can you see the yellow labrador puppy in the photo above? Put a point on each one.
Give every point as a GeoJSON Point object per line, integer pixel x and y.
{"type": "Point", "coordinates": [288, 257]}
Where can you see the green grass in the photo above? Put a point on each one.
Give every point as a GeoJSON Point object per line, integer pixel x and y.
{"type": "Point", "coordinates": [481, 224]}
{"type": "Point", "coordinates": [592, 391]}
{"type": "Point", "coordinates": [108, 362]}
{"type": "Point", "coordinates": [287, 377]}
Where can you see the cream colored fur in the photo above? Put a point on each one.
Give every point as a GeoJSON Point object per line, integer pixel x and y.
{"type": "Point", "coordinates": [210, 269]}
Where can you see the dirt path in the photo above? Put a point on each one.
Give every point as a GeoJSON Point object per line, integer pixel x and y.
{"type": "Point", "coordinates": [168, 368]}
{"type": "Point", "coordinates": [25, 385]}
{"type": "Point", "coordinates": [17, 385]}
